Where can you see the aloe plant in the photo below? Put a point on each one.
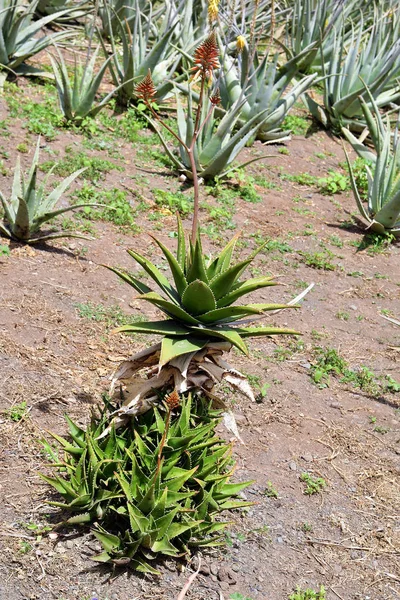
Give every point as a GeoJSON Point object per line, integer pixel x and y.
{"type": "Point", "coordinates": [202, 322]}
{"type": "Point", "coordinates": [263, 91]}
{"type": "Point", "coordinates": [372, 62]}
{"type": "Point", "coordinates": [145, 47]}
{"type": "Point", "coordinates": [382, 212]}
{"type": "Point", "coordinates": [18, 35]}
{"type": "Point", "coordinates": [113, 12]}
{"type": "Point", "coordinates": [152, 490]}
{"type": "Point", "coordinates": [73, 10]}
{"type": "Point", "coordinates": [29, 206]}
{"type": "Point", "coordinates": [206, 149]}
{"type": "Point", "coordinates": [309, 29]}
{"type": "Point", "coordinates": [77, 97]}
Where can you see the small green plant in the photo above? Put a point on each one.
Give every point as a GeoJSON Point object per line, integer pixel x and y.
{"type": "Point", "coordinates": [29, 206]}
{"type": "Point", "coordinates": [319, 260]}
{"type": "Point", "coordinates": [175, 202]}
{"type": "Point", "coordinates": [308, 594]}
{"type": "Point", "coordinates": [336, 241]}
{"type": "Point", "coordinates": [342, 315]}
{"type": "Point", "coordinates": [17, 412]}
{"type": "Point", "coordinates": [238, 596]}
{"type": "Point", "coordinates": [95, 167]}
{"type": "Point", "coordinates": [23, 148]}
{"type": "Point", "coordinates": [116, 207]}
{"type": "Point", "coordinates": [314, 485]}
{"type": "Point", "coordinates": [155, 489]}
{"type": "Point", "coordinates": [270, 491]}
{"type": "Point", "coordinates": [298, 125]}
{"type": "Point", "coordinates": [333, 183]}
{"type": "Point", "coordinates": [391, 385]}
{"type": "Point", "coordinates": [110, 315]}
{"type": "Point", "coordinates": [328, 362]}
{"type": "Point", "coordinates": [4, 250]}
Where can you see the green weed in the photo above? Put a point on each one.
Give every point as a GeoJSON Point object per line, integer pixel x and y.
{"type": "Point", "coordinates": [297, 125]}
{"type": "Point", "coordinates": [174, 201]}
{"type": "Point", "coordinates": [336, 241]}
{"type": "Point", "coordinates": [110, 315]}
{"type": "Point", "coordinates": [270, 491]}
{"type": "Point", "coordinates": [319, 260]}
{"type": "Point", "coordinates": [96, 167]}
{"type": "Point", "coordinates": [314, 485]}
{"type": "Point", "coordinates": [4, 250]}
{"type": "Point", "coordinates": [333, 183]}
{"type": "Point", "coordinates": [308, 594]}
{"type": "Point", "coordinates": [342, 315]}
{"type": "Point", "coordinates": [17, 412]}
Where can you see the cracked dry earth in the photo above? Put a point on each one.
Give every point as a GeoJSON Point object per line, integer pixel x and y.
{"type": "Point", "coordinates": [345, 537]}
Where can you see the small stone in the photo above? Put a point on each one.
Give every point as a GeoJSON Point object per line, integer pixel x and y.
{"type": "Point", "coordinates": [353, 307]}
{"type": "Point", "coordinates": [53, 536]}
{"type": "Point", "coordinates": [69, 544]}
{"type": "Point", "coordinates": [292, 466]}
{"type": "Point", "coordinates": [235, 568]}
{"type": "Point", "coordinates": [205, 569]}
{"type": "Point", "coordinates": [308, 457]}
{"type": "Point", "coordinates": [214, 568]}
{"type": "Point", "coordinates": [280, 540]}
{"type": "Point", "coordinates": [335, 405]}
{"type": "Point", "coordinates": [305, 365]}
{"type": "Point", "coordinates": [214, 578]}
{"type": "Point", "coordinates": [224, 585]}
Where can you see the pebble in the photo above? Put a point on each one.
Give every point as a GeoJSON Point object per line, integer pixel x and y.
{"type": "Point", "coordinates": [224, 585]}
{"type": "Point", "coordinates": [214, 578]}
{"type": "Point", "coordinates": [69, 544]}
{"type": "Point", "coordinates": [214, 568]}
{"type": "Point", "coordinates": [335, 405]}
{"type": "Point", "coordinates": [53, 536]}
{"type": "Point", "coordinates": [205, 569]}
{"type": "Point", "coordinates": [235, 568]}
{"type": "Point", "coordinates": [292, 466]}
{"type": "Point", "coordinates": [308, 457]}
{"type": "Point", "coordinates": [353, 307]}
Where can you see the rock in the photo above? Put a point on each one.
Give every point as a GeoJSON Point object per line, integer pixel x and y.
{"type": "Point", "coordinates": [308, 457]}
{"type": "Point", "coordinates": [292, 466]}
{"type": "Point", "coordinates": [214, 568]}
{"type": "Point", "coordinates": [335, 405]}
{"type": "Point", "coordinates": [353, 307]}
{"type": "Point", "coordinates": [205, 569]}
{"type": "Point", "coordinates": [224, 585]}
{"type": "Point", "coordinates": [53, 536]}
{"type": "Point", "coordinates": [226, 574]}
{"type": "Point", "coordinates": [214, 578]}
{"type": "Point", "coordinates": [69, 544]}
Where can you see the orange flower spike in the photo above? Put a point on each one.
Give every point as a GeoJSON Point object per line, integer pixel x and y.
{"type": "Point", "coordinates": [172, 400]}
{"type": "Point", "coordinates": [145, 90]}
{"type": "Point", "coordinates": [206, 57]}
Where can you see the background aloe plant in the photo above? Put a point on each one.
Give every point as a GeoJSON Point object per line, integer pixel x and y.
{"type": "Point", "coordinates": [77, 97]}
{"type": "Point", "coordinates": [372, 61]}
{"type": "Point", "coordinates": [18, 35]}
{"type": "Point", "coordinates": [29, 206]}
{"type": "Point", "coordinates": [382, 212]}
{"type": "Point", "coordinates": [145, 47]}
{"type": "Point", "coordinates": [152, 490]}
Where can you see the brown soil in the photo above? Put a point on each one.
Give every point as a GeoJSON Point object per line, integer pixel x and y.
{"type": "Point", "coordinates": [345, 537]}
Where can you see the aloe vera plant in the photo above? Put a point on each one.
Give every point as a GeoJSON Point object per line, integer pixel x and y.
{"type": "Point", "coordinates": [152, 490]}
{"type": "Point", "coordinates": [29, 206]}
{"type": "Point", "coordinates": [145, 47]}
{"type": "Point", "coordinates": [77, 98]}
{"type": "Point", "coordinates": [206, 149]}
{"type": "Point", "coordinates": [382, 212]}
{"type": "Point", "coordinates": [257, 87]}
{"type": "Point", "coordinates": [372, 62]}
{"type": "Point", "coordinates": [202, 322]}
{"type": "Point", "coordinates": [18, 35]}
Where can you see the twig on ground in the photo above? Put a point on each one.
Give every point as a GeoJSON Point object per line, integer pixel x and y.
{"type": "Point", "coordinates": [189, 582]}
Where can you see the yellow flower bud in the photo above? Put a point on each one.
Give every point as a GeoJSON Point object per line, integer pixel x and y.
{"type": "Point", "coordinates": [213, 10]}
{"type": "Point", "coordinates": [240, 43]}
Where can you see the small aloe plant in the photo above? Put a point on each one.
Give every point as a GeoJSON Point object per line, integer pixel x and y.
{"type": "Point", "coordinates": [382, 212]}
{"type": "Point", "coordinates": [152, 490]}
{"type": "Point", "coordinates": [29, 206]}
{"type": "Point", "coordinates": [77, 98]}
